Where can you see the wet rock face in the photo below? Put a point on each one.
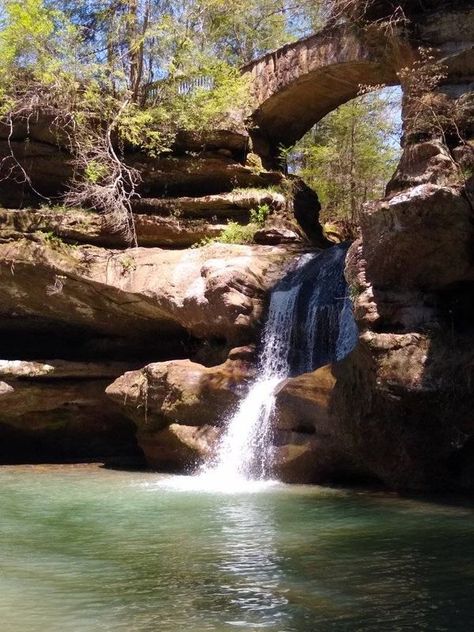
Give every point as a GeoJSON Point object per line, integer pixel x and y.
{"type": "Point", "coordinates": [305, 450]}
{"type": "Point", "coordinates": [303, 402]}
{"type": "Point", "coordinates": [181, 391]}
{"type": "Point", "coordinates": [178, 448]}
{"type": "Point", "coordinates": [179, 406]}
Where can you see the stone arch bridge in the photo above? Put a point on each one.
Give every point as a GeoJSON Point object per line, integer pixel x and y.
{"type": "Point", "coordinates": [297, 85]}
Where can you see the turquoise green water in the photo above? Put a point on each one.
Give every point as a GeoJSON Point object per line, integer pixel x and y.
{"type": "Point", "coordinates": [86, 549]}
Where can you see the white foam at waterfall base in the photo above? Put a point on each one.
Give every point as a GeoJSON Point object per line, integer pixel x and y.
{"type": "Point", "coordinates": [247, 435]}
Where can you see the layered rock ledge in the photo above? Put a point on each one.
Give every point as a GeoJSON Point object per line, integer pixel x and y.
{"type": "Point", "coordinates": [57, 411]}
{"type": "Point", "coordinates": [217, 291]}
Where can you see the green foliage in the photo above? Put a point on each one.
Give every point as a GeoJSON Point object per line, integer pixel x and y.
{"type": "Point", "coordinates": [53, 240]}
{"type": "Point", "coordinates": [27, 30]}
{"type": "Point", "coordinates": [151, 40]}
{"type": "Point", "coordinates": [95, 171]}
{"type": "Point", "coordinates": [285, 154]}
{"type": "Point", "coordinates": [122, 73]}
{"type": "Point", "coordinates": [100, 104]}
{"type": "Point", "coordinates": [51, 61]}
{"type": "Point", "coordinates": [93, 57]}
{"type": "Point", "coordinates": [355, 290]}
{"type": "Point", "coordinates": [254, 163]}
{"type": "Point", "coordinates": [128, 264]}
{"type": "Point", "coordinates": [246, 29]}
{"type": "Point", "coordinates": [54, 208]}
{"type": "Point", "coordinates": [467, 172]}
{"type": "Point", "coordinates": [147, 128]}
{"type": "Point", "coordinates": [201, 108]}
{"type": "Point", "coordinates": [350, 155]}
{"type": "Point", "coordinates": [258, 216]}
{"type": "Point", "coordinates": [235, 233]}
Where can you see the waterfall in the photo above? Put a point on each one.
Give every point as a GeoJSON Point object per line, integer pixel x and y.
{"type": "Point", "coordinates": [309, 324]}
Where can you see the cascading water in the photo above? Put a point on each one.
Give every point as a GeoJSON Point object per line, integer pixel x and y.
{"type": "Point", "coordinates": [309, 324]}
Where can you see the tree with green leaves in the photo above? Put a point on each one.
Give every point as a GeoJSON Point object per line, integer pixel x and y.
{"type": "Point", "coordinates": [113, 73]}
{"type": "Point", "coordinates": [91, 89]}
{"type": "Point", "coordinates": [349, 156]}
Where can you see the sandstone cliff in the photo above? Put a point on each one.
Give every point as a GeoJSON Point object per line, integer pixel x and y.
{"type": "Point", "coordinates": [170, 329]}
{"type": "Point", "coordinates": [80, 307]}
{"type": "Point", "coordinates": [404, 399]}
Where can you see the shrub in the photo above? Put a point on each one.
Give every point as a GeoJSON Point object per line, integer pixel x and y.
{"type": "Point", "coordinates": [235, 233]}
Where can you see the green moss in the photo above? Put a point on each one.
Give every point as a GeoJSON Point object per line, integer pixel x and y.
{"type": "Point", "coordinates": [355, 290]}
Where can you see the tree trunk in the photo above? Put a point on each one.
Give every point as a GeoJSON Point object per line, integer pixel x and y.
{"type": "Point", "coordinates": [135, 33]}
{"type": "Point", "coordinates": [353, 183]}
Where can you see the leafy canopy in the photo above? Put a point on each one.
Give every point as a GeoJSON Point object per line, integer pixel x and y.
{"type": "Point", "coordinates": [351, 154]}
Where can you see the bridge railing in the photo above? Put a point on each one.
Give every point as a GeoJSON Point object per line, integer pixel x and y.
{"type": "Point", "coordinates": [181, 87]}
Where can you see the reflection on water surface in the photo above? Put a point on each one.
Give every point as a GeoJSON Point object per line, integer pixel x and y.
{"type": "Point", "coordinates": [87, 549]}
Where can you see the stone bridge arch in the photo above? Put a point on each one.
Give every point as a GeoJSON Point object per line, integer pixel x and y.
{"type": "Point", "coordinates": [295, 86]}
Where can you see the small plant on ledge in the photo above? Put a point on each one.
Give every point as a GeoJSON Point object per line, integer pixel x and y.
{"type": "Point", "coordinates": [235, 233]}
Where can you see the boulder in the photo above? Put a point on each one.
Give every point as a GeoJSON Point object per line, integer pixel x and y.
{"type": "Point", "coordinates": [419, 239]}
{"type": "Point", "coordinates": [182, 392]}
{"type": "Point", "coordinates": [178, 448]}
{"type": "Point", "coordinates": [180, 407]}
{"type": "Point", "coordinates": [302, 403]}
